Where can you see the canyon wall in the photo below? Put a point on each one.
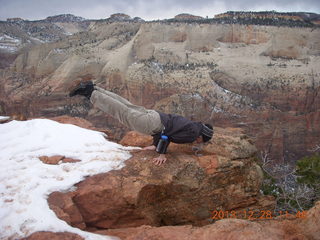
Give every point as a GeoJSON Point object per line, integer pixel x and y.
{"type": "Point", "coordinates": [264, 79]}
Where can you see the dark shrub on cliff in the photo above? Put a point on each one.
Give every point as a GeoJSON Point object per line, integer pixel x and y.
{"type": "Point", "coordinates": [308, 171]}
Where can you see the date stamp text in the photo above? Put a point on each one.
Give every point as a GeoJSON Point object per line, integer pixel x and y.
{"type": "Point", "coordinates": [254, 215]}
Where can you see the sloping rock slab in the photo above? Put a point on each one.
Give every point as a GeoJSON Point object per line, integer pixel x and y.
{"type": "Point", "coordinates": [184, 190]}
{"type": "Point", "coordinates": [53, 236]}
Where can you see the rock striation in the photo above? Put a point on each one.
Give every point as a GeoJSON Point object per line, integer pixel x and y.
{"type": "Point", "coordinates": [264, 79]}
{"type": "Point", "coordinates": [17, 33]}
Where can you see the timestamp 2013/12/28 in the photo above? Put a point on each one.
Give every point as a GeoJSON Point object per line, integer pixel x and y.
{"type": "Point", "coordinates": [253, 215]}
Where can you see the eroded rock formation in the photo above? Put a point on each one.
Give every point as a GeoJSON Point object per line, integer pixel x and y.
{"type": "Point", "coordinates": [262, 78]}
{"type": "Point", "coordinates": [142, 201]}
{"type": "Point", "coordinates": [233, 229]}
{"type": "Point", "coordinates": [185, 190]}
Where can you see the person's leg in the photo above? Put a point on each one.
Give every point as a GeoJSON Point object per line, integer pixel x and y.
{"type": "Point", "coordinates": [135, 117]}
{"type": "Point", "coordinates": [119, 98]}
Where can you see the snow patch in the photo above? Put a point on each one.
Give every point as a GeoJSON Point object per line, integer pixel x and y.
{"type": "Point", "coordinates": [230, 97]}
{"type": "Point", "coordinates": [59, 50]}
{"type": "Point", "coordinates": [3, 118]}
{"type": "Point", "coordinates": [36, 39]}
{"type": "Point", "coordinates": [26, 182]}
{"type": "Point", "coordinates": [5, 37]}
{"type": "Point", "coordinates": [157, 66]}
{"type": "Point", "coordinates": [8, 43]}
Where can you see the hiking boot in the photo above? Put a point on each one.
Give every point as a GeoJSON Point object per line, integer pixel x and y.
{"type": "Point", "coordinates": [84, 88]}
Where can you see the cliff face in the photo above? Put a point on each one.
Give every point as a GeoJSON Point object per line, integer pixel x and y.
{"type": "Point", "coordinates": [262, 78]}
{"type": "Point", "coordinates": [17, 34]}
{"type": "Point", "coordinates": [41, 31]}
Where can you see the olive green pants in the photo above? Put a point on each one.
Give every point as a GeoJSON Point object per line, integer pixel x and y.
{"type": "Point", "coordinates": [135, 117]}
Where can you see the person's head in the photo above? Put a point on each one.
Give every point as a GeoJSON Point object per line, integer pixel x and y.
{"type": "Point", "coordinates": [206, 132]}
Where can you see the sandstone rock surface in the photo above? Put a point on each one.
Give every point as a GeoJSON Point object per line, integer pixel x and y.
{"type": "Point", "coordinates": [53, 236]}
{"type": "Point", "coordinates": [232, 229]}
{"type": "Point", "coordinates": [57, 159]}
{"type": "Point", "coordinates": [184, 190]}
{"type": "Point", "coordinates": [143, 201]}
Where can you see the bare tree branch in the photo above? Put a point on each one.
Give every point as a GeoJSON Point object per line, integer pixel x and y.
{"type": "Point", "coordinates": [290, 195]}
{"type": "Point", "coordinates": [315, 149]}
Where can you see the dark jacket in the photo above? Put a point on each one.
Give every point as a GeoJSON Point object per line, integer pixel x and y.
{"type": "Point", "coordinates": [178, 129]}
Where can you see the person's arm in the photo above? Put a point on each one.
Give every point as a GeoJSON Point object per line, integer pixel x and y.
{"type": "Point", "coordinates": [152, 148]}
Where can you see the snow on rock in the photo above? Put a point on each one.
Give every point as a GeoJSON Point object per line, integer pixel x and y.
{"type": "Point", "coordinates": [8, 43]}
{"type": "Point", "coordinates": [4, 119]}
{"type": "Point", "coordinates": [26, 181]}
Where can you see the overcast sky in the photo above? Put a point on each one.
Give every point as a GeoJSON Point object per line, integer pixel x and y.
{"type": "Point", "coordinates": [146, 9]}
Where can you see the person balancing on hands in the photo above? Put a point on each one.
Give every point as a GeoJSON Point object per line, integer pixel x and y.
{"type": "Point", "coordinates": [164, 128]}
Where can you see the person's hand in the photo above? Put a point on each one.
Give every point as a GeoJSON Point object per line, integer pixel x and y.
{"type": "Point", "coordinates": [159, 160]}
{"type": "Point", "coordinates": [152, 147]}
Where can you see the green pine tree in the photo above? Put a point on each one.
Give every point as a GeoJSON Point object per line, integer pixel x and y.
{"type": "Point", "coordinates": [308, 171]}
